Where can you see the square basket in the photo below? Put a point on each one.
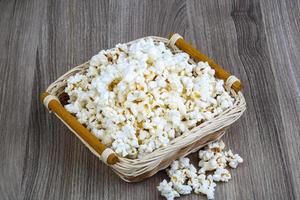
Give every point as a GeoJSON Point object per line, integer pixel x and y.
{"type": "Point", "coordinates": [134, 170]}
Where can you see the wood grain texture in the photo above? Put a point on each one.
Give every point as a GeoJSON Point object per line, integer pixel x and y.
{"type": "Point", "coordinates": [257, 40]}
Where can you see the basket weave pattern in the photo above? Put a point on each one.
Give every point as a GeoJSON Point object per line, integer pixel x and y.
{"type": "Point", "coordinates": [134, 170]}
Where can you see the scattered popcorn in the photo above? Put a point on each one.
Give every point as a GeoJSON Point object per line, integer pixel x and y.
{"type": "Point", "coordinates": [184, 177]}
{"type": "Point", "coordinates": [138, 98]}
{"type": "Point", "coordinates": [167, 191]}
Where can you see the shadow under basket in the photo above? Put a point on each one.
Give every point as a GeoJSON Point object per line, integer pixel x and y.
{"type": "Point", "coordinates": [134, 170]}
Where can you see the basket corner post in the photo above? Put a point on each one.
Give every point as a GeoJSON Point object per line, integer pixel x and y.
{"type": "Point", "coordinates": [112, 159]}
{"type": "Point", "coordinates": [43, 95]}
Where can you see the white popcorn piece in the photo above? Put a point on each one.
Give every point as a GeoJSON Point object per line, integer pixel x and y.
{"type": "Point", "coordinates": [205, 155]}
{"type": "Point", "coordinates": [180, 171]}
{"type": "Point", "coordinates": [76, 78]}
{"type": "Point", "coordinates": [122, 47]}
{"type": "Point", "coordinates": [178, 177]}
{"type": "Point", "coordinates": [209, 165]}
{"type": "Point", "coordinates": [217, 146]}
{"type": "Point", "coordinates": [120, 147]}
{"type": "Point", "coordinates": [207, 187]}
{"type": "Point", "coordinates": [174, 165]}
{"type": "Point", "coordinates": [99, 59]}
{"type": "Point", "coordinates": [173, 116]}
{"type": "Point", "coordinates": [184, 162]}
{"type": "Point", "coordinates": [233, 159]}
{"type": "Point", "coordinates": [183, 189]}
{"type": "Point", "coordinates": [167, 191]}
{"type": "Point", "coordinates": [221, 159]}
{"type": "Point", "coordinates": [73, 108]}
{"type": "Point", "coordinates": [143, 135]}
{"type": "Point", "coordinates": [99, 133]}
{"type": "Point", "coordinates": [221, 174]}
{"type": "Point", "coordinates": [188, 84]}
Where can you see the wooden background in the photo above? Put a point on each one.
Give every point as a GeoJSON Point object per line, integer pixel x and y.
{"type": "Point", "coordinates": [257, 40]}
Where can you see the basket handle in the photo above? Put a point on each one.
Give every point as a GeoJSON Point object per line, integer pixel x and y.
{"type": "Point", "coordinates": [230, 80]}
{"type": "Point", "coordinates": [52, 103]}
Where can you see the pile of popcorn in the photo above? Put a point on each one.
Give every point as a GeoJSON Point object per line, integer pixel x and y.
{"type": "Point", "coordinates": [136, 98]}
{"type": "Point", "coordinates": [184, 177]}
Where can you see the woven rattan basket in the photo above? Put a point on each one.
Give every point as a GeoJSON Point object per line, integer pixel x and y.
{"type": "Point", "coordinates": [134, 170]}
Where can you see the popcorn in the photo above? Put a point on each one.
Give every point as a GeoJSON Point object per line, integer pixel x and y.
{"type": "Point", "coordinates": [83, 116]}
{"type": "Point", "coordinates": [217, 146]}
{"type": "Point", "coordinates": [205, 155]}
{"type": "Point", "coordinates": [167, 191]}
{"type": "Point", "coordinates": [138, 98]}
{"type": "Point", "coordinates": [221, 159]}
{"type": "Point", "coordinates": [122, 47]}
{"type": "Point", "coordinates": [184, 162]}
{"type": "Point", "coordinates": [233, 160]}
{"type": "Point", "coordinates": [98, 133]}
{"type": "Point", "coordinates": [183, 189]}
{"type": "Point", "coordinates": [173, 116]}
{"type": "Point", "coordinates": [99, 59]}
{"type": "Point", "coordinates": [188, 84]}
{"type": "Point", "coordinates": [76, 79]}
{"type": "Point", "coordinates": [178, 177]}
{"type": "Point", "coordinates": [209, 165]}
{"type": "Point", "coordinates": [184, 177]}
{"type": "Point", "coordinates": [120, 147]}
{"type": "Point", "coordinates": [180, 171]}
{"type": "Point", "coordinates": [73, 108]}
{"type": "Point", "coordinates": [207, 187]}
{"type": "Point", "coordinates": [221, 174]}
{"type": "Point", "coordinates": [224, 101]}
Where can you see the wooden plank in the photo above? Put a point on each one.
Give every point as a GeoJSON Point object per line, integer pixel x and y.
{"type": "Point", "coordinates": [60, 167]}
{"type": "Point", "coordinates": [129, 20]}
{"type": "Point", "coordinates": [19, 30]}
{"type": "Point", "coordinates": [237, 40]}
{"type": "Point", "coordinates": [282, 26]}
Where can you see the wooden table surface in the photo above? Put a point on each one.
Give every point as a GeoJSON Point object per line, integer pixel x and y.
{"type": "Point", "coordinates": [257, 40]}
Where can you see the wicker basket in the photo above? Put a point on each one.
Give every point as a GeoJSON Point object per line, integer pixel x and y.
{"type": "Point", "coordinates": [134, 170]}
